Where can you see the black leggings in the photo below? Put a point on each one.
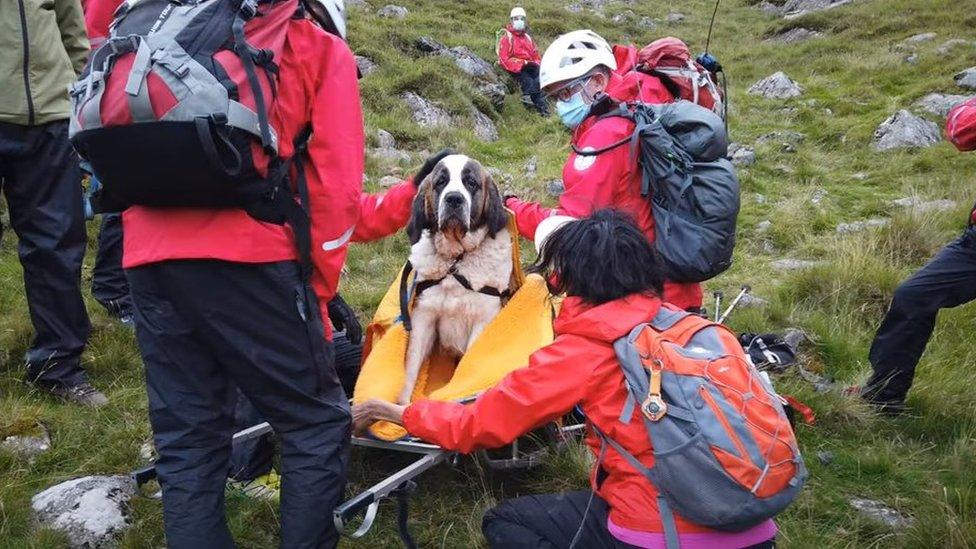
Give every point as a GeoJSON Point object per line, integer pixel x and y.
{"type": "Point", "coordinates": [551, 521]}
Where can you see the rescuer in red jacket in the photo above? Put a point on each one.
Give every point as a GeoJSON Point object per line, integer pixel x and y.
{"type": "Point", "coordinates": [518, 55]}
{"type": "Point", "coordinates": [947, 280]}
{"type": "Point", "coordinates": [578, 70]}
{"type": "Point", "coordinates": [612, 280]}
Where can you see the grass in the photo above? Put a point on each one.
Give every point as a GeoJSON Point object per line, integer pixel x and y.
{"type": "Point", "coordinates": [924, 464]}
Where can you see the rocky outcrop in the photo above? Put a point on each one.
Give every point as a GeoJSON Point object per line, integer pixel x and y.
{"type": "Point", "coordinates": [484, 128]}
{"type": "Point", "coordinates": [425, 112]}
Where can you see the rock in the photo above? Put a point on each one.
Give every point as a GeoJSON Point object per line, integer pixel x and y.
{"type": "Point", "coordinates": [531, 166]}
{"type": "Point", "coordinates": [388, 181]}
{"type": "Point", "coordinates": [788, 137]}
{"type": "Point", "coordinates": [391, 11]}
{"type": "Point", "coordinates": [798, 8]}
{"type": "Point", "coordinates": [825, 457]}
{"type": "Point", "coordinates": [574, 8]}
{"type": "Point", "coordinates": [555, 187]}
{"type": "Point", "coordinates": [818, 196]}
{"type": "Point", "coordinates": [793, 264]}
{"type": "Point", "coordinates": [770, 8]}
{"type": "Point", "coordinates": [365, 65]}
{"type": "Point", "coordinates": [940, 103]}
{"type": "Point", "coordinates": [646, 23]}
{"type": "Point", "coordinates": [966, 78]}
{"type": "Point", "coordinates": [28, 445]}
{"type": "Point", "coordinates": [484, 128]}
{"type": "Point", "coordinates": [764, 226]}
{"type": "Point", "coordinates": [393, 156]}
{"type": "Point", "coordinates": [905, 130]}
{"type": "Point", "coordinates": [912, 59]}
{"type": "Point", "coordinates": [879, 512]}
{"type": "Point", "coordinates": [624, 17]}
{"type": "Point", "coordinates": [494, 91]}
{"type": "Point", "coordinates": [91, 511]}
{"type": "Point", "coordinates": [911, 42]}
{"type": "Point", "coordinates": [385, 139]}
{"type": "Point", "coordinates": [776, 86]}
{"type": "Point", "coordinates": [859, 176]}
{"type": "Point", "coordinates": [768, 247]}
{"type": "Point", "coordinates": [357, 3]}
{"type": "Point", "coordinates": [425, 113]}
{"type": "Point", "coordinates": [858, 226]}
{"type": "Point", "coordinates": [752, 301]}
{"type": "Point", "coordinates": [147, 451]}
{"type": "Point", "coordinates": [920, 206]}
{"type": "Point", "coordinates": [744, 156]}
{"type": "Point", "coordinates": [674, 17]}
{"type": "Point", "coordinates": [795, 338]}
{"type": "Point", "coordinates": [427, 44]}
{"type": "Point", "coordinates": [469, 62]}
{"type": "Point", "coordinates": [794, 35]}
{"type": "Point", "coordinates": [759, 198]}
{"type": "Point", "coordinates": [949, 45]}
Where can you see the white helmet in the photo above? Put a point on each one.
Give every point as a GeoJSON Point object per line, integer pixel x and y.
{"type": "Point", "coordinates": [336, 10]}
{"type": "Point", "coordinates": [517, 12]}
{"type": "Point", "coordinates": [547, 227]}
{"type": "Point", "coordinates": [573, 55]}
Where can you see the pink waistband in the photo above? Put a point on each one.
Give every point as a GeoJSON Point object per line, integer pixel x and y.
{"type": "Point", "coordinates": [763, 531]}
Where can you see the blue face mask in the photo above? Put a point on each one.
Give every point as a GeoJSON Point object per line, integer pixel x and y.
{"type": "Point", "coordinates": [574, 111]}
{"type": "Point", "coordinates": [518, 24]}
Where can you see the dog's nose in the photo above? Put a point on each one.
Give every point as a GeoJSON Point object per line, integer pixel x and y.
{"type": "Point", "coordinates": [454, 199]}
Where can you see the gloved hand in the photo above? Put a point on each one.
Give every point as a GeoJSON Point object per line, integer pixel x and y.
{"type": "Point", "coordinates": [344, 318]}
{"type": "Point", "coordinates": [429, 164]}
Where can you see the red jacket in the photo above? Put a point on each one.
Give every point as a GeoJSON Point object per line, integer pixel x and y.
{"type": "Point", "coordinates": [325, 94]}
{"type": "Point", "coordinates": [961, 131]}
{"type": "Point", "coordinates": [98, 17]}
{"type": "Point", "coordinates": [516, 49]}
{"type": "Point", "coordinates": [611, 179]}
{"type": "Point", "coordinates": [579, 367]}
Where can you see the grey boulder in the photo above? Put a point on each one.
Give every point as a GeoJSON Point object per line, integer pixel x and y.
{"type": "Point", "coordinates": [966, 78]}
{"type": "Point", "coordinates": [879, 512]}
{"type": "Point", "coordinates": [794, 35]}
{"type": "Point", "coordinates": [366, 65]}
{"type": "Point", "coordinates": [469, 62]}
{"type": "Point", "coordinates": [484, 128]}
{"type": "Point", "coordinates": [392, 11]}
{"type": "Point", "coordinates": [494, 91]}
{"type": "Point", "coordinates": [904, 130]}
{"type": "Point", "coordinates": [776, 86]}
{"type": "Point", "coordinates": [425, 112]}
{"type": "Point", "coordinates": [92, 512]}
{"type": "Point", "coordinates": [940, 103]}
{"type": "Point", "coordinates": [798, 8]}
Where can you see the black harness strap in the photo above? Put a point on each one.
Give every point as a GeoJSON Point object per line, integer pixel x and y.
{"type": "Point", "coordinates": [247, 54]}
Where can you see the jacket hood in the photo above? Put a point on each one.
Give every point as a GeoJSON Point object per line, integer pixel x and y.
{"type": "Point", "coordinates": [606, 322]}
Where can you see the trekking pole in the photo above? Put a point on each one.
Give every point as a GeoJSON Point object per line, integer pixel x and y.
{"type": "Point", "coordinates": [735, 302]}
{"type": "Point", "coordinates": [718, 304]}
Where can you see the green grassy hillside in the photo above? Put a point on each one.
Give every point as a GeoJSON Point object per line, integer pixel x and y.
{"type": "Point", "coordinates": [854, 76]}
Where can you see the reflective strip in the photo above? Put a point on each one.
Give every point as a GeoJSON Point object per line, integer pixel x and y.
{"type": "Point", "coordinates": [331, 245]}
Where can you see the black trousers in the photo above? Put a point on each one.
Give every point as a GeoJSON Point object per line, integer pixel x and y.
{"type": "Point", "coordinates": [528, 81]}
{"type": "Point", "coordinates": [109, 286]}
{"type": "Point", "coordinates": [252, 458]}
{"type": "Point", "coordinates": [41, 180]}
{"type": "Point", "coordinates": [552, 521]}
{"type": "Point", "coordinates": [206, 327]}
{"type": "Point", "coordinates": [948, 280]}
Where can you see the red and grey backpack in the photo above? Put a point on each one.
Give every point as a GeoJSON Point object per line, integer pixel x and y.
{"type": "Point", "coordinates": [174, 109]}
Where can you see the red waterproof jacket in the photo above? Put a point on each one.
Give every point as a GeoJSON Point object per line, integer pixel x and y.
{"type": "Point", "coordinates": [961, 131]}
{"type": "Point", "coordinates": [608, 180]}
{"type": "Point", "coordinates": [579, 367]}
{"type": "Point", "coordinates": [516, 49]}
{"type": "Point", "coordinates": [98, 17]}
{"type": "Point", "coordinates": [325, 94]}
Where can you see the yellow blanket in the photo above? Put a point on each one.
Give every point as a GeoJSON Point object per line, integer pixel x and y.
{"type": "Point", "coordinates": [523, 326]}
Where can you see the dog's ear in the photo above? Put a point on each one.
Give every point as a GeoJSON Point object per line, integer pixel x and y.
{"type": "Point", "coordinates": [422, 212]}
{"type": "Point", "coordinates": [495, 216]}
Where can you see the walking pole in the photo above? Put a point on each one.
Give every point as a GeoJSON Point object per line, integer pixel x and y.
{"type": "Point", "coordinates": [745, 289]}
{"type": "Point", "coordinates": [718, 304]}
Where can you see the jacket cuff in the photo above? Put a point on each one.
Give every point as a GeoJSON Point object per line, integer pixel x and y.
{"type": "Point", "coordinates": [410, 418]}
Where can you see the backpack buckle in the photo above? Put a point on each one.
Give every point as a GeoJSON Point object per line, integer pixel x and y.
{"type": "Point", "coordinates": [654, 408]}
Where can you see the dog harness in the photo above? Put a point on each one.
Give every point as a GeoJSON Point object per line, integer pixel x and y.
{"type": "Point", "coordinates": [423, 285]}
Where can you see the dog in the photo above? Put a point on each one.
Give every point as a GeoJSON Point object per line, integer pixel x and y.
{"type": "Point", "coordinates": [461, 251]}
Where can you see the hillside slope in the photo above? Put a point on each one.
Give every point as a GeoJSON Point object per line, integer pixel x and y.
{"type": "Point", "coordinates": [817, 170]}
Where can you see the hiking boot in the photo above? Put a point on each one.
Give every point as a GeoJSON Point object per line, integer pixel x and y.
{"type": "Point", "coordinates": [887, 408]}
{"type": "Point", "coordinates": [266, 487]}
{"type": "Point", "coordinates": [82, 393]}
{"type": "Point", "coordinates": [527, 100]}
{"type": "Point", "coordinates": [119, 310]}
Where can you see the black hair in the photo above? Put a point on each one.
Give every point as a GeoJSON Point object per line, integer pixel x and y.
{"type": "Point", "coordinates": [600, 258]}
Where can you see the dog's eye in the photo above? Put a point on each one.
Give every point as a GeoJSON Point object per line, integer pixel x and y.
{"type": "Point", "coordinates": [440, 182]}
{"type": "Point", "coordinates": [471, 182]}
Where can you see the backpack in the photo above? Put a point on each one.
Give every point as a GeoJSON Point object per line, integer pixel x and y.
{"type": "Point", "coordinates": [174, 109]}
{"type": "Point", "coordinates": [725, 456]}
{"type": "Point", "coordinates": [670, 60]}
{"type": "Point", "coordinates": [694, 190]}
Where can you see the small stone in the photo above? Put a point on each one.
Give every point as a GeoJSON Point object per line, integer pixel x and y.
{"type": "Point", "coordinates": [147, 451]}
{"type": "Point", "coordinates": [920, 206]}
{"type": "Point", "coordinates": [427, 44]}
{"type": "Point", "coordinates": [357, 3]}
{"type": "Point", "coordinates": [768, 247]}
{"type": "Point", "coordinates": [426, 113]}
{"type": "Point", "coordinates": [825, 457]}
{"type": "Point", "coordinates": [940, 103]}
{"type": "Point", "coordinates": [776, 86]}
{"type": "Point", "coordinates": [385, 139]}
{"type": "Point", "coordinates": [752, 301]}
{"type": "Point", "coordinates": [389, 155]}
{"type": "Point", "coordinates": [759, 198]}
{"type": "Point", "coordinates": [646, 23]}
{"type": "Point", "coordinates": [674, 17]}
{"type": "Point", "coordinates": [392, 11]}
{"type": "Point", "coordinates": [788, 148]}
{"type": "Point", "coordinates": [905, 130]}
{"type": "Point", "coordinates": [365, 65]}
{"type": "Point", "coordinates": [818, 196]}
{"type": "Point", "coordinates": [623, 17]}
{"type": "Point", "coordinates": [966, 78]}
{"type": "Point", "coordinates": [879, 512]}
{"type": "Point", "coordinates": [90, 511]}
{"type": "Point", "coordinates": [531, 166]}
{"type": "Point", "coordinates": [555, 187]}
{"type": "Point", "coordinates": [858, 226]}
{"type": "Point", "coordinates": [859, 176]}
{"type": "Point", "coordinates": [28, 446]}
{"type": "Point", "coordinates": [744, 156]}
{"type": "Point", "coordinates": [794, 35]}
{"type": "Point", "coordinates": [790, 264]}
{"type": "Point", "coordinates": [574, 8]}
{"type": "Point", "coordinates": [952, 44]}
{"type": "Point", "coordinates": [791, 137]}
{"type": "Point", "coordinates": [484, 128]}
{"type": "Point", "coordinates": [795, 338]}
{"type": "Point", "coordinates": [388, 181]}
{"type": "Point", "coordinates": [912, 59]}
{"type": "Point", "coordinates": [764, 226]}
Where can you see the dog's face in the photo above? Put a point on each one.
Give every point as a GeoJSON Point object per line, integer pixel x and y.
{"type": "Point", "coordinates": [457, 197]}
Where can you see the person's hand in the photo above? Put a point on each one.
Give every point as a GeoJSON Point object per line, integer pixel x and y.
{"type": "Point", "coordinates": [367, 413]}
{"type": "Point", "coordinates": [343, 317]}
{"type": "Point", "coordinates": [429, 164]}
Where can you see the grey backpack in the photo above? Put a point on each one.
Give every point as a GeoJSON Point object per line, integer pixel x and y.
{"type": "Point", "coordinates": [693, 188]}
{"type": "Point", "coordinates": [725, 456]}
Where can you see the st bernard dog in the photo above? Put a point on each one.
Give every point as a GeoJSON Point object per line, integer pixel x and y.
{"type": "Point", "coordinates": [461, 252]}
